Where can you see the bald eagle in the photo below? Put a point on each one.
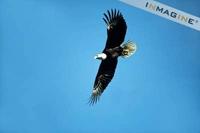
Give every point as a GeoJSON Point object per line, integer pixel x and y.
{"type": "Point", "coordinates": [116, 30]}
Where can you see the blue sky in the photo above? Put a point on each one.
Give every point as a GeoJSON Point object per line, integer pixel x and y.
{"type": "Point", "coordinates": [47, 70]}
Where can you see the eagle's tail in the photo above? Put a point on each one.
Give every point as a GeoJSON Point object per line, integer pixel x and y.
{"type": "Point", "coordinates": [129, 48]}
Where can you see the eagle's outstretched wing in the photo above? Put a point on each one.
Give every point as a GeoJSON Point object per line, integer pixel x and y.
{"type": "Point", "coordinates": [116, 28]}
{"type": "Point", "coordinates": [104, 76]}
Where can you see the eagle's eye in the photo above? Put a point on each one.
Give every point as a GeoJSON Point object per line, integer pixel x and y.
{"type": "Point", "coordinates": [125, 52]}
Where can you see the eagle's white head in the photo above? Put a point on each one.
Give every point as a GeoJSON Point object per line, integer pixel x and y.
{"type": "Point", "coordinates": [101, 56]}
